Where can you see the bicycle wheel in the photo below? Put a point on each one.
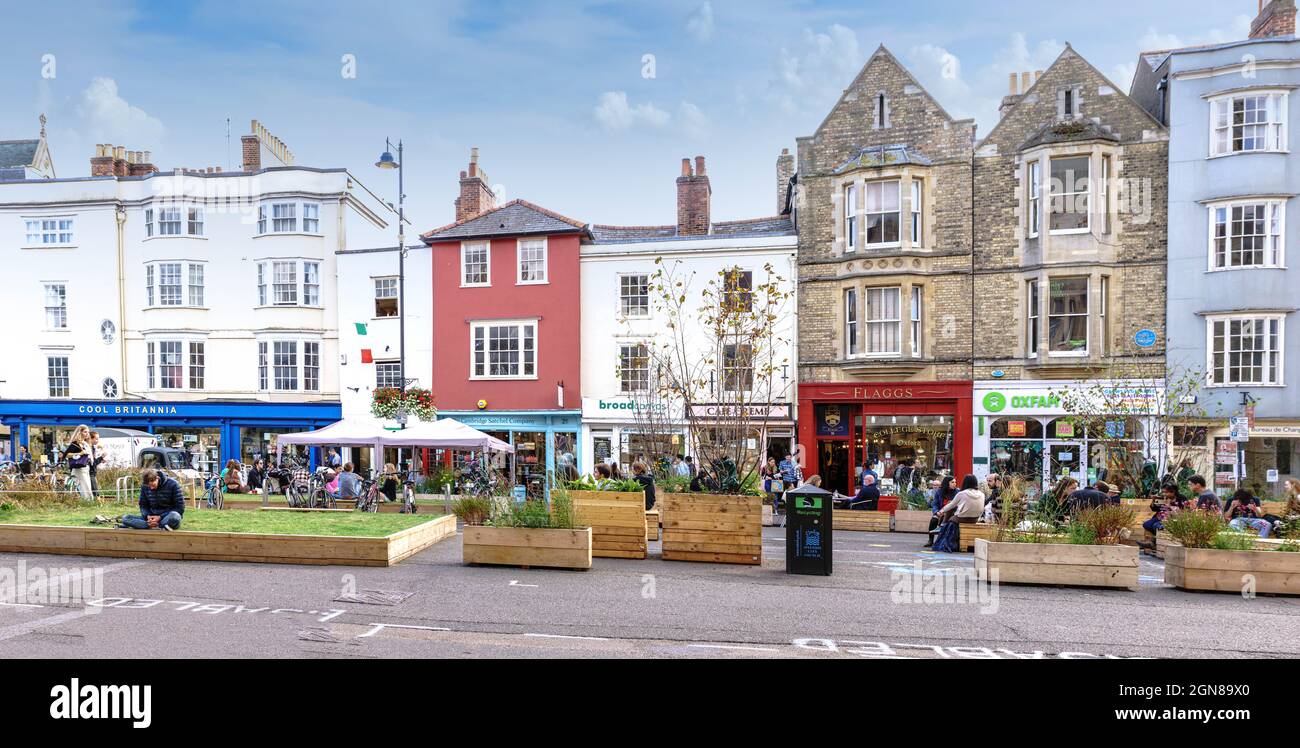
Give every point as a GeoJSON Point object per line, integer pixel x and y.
{"type": "Point", "coordinates": [408, 500]}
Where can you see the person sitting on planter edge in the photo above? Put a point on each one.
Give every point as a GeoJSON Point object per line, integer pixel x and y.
{"type": "Point", "coordinates": [1243, 511]}
{"type": "Point", "coordinates": [349, 483]}
{"type": "Point", "coordinates": [161, 504]}
{"type": "Point", "coordinates": [1090, 498]}
{"type": "Point", "coordinates": [641, 474]}
{"type": "Point", "coordinates": [1205, 498]}
{"type": "Point", "coordinates": [1171, 500]}
{"type": "Point", "coordinates": [943, 495]}
{"type": "Point", "coordinates": [967, 506]}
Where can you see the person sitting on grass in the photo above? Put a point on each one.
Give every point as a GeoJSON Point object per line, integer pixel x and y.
{"type": "Point", "coordinates": [162, 504]}
{"type": "Point", "coordinates": [231, 478]}
{"type": "Point", "coordinates": [349, 483]}
{"type": "Point", "coordinates": [1243, 511]}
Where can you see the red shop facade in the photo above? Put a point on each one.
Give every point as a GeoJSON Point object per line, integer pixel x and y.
{"type": "Point", "coordinates": [844, 427]}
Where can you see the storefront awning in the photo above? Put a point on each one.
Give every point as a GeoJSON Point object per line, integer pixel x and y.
{"type": "Point", "coordinates": [445, 433]}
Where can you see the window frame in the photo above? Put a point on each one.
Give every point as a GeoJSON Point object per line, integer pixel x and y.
{"type": "Point", "coordinates": [1087, 315]}
{"type": "Point", "coordinates": [386, 377]}
{"type": "Point", "coordinates": [623, 296]}
{"type": "Point", "coordinates": [519, 261]}
{"type": "Point", "coordinates": [36, 239]}
{"type": "Point", "coordinates": [852, 336]}
{"type": "Point", "coordinates": [917, 197]}
{"type": "Point", "coordinates": [1033, 317]}
{"type": "Point", "coordinates": [306, 293]}
{"type": "Point", "coordinates": [883, 322]}
{"type": "Point", "coordinates": [631, 387]}
{"type": "Point", "coordinates": [186, 356]}
{"type": "Point", "coordinates": [189, 292]}
{"type": "Point", "coordinates": [1273, 358]}
{"type": "Point", "coordinates": [304, 211]}
{"type": "Point", "coordinates": [1071, 195]}
{"type": "Point", "coordinates": [520, 326]}
{"type": "Point", "coordinates": [58, 386]}
{"type": "Point", "coordinates": [60, 309]}
{"type": "Point", "coordinates": [382, 295]}
{"type": "Point", "coordinates": [737, 369]}
{"type": "Point", "coordinates": [852, 229]}
{"type": "Point", "coordinates": [1035, 177]}
{"type": "Point", "coordinates": [916, 309]}
{"type": "Point", "coordinates": [865, 237]}
{"type": "Point", "coordinates": [1276, 131]}
{"type": "Point", "coordinates": [487, 263]}
{"type": "Point", "coordinates": [1274, 211]}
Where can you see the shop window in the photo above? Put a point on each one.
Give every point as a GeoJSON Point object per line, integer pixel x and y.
{"type": "Point", "coordinates": [923, 440]}
{"type": "Point", "coordinates": [1190, 436]}
{"type": "Point", "coordinates": [1016, 428]}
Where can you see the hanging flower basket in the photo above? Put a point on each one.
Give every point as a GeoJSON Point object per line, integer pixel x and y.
{"type": "Point", "coordinates": [387, 401]}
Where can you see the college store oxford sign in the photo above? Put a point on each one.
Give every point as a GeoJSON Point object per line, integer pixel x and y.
{"type": "Point", "coordinates": [1047, 398]}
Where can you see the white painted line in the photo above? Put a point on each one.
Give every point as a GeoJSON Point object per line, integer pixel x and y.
{"type": "Point", "coordinates": [23, 605]}
{"type": "Point", "coordinates": [564, 636]}
{"type": "Point", "coordinates": [381, 626]}
{"type": "Point", "coordinates": [722, 646]}
{"type": "Point", "coordinates": [515, 583]}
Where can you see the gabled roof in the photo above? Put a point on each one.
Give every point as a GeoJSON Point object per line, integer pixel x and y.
{"type": "Point", "coordinates": [883, 53]}
{"type": "Point", "coordinates": [18, 153]}
{"type": "Point", "coordinates": [1069, 50]}
{"type": "Point", "coordinates": [515, 218]}
{"type": "Point", "coordinates": [884, 155]}
{"type": "Point", "coordinates": [749, 228]}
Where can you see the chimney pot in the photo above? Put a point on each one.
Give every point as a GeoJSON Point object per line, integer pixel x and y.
{"type": "Point", "coordinates": [1013, 88]}
{"type": "Point", "coordinates": [693, 196]}
{"type": "Point", "coordinates": [1026, 80]}
{"type": "Point", "coordinates": [699, 166]}
{"type": "Point", "coordinates": [686, 167]}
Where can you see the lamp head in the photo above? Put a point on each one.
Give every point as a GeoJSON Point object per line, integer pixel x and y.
{"type": "Point", "coordinates": [387, 161]}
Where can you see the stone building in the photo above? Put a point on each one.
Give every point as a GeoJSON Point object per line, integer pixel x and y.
{"type": "Point", "coordinates": [882, 202]}
{"type": "Point", "coordinates": [1069, 267]}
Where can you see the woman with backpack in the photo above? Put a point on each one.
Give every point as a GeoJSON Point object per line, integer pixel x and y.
{"type": "Point", "coordinates": [78, 455]}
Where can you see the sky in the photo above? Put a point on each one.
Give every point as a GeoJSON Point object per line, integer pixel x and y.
{"type": "Point", "coordinates": [586, 108]}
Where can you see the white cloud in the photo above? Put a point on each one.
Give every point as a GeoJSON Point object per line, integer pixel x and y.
{"type": "Point", "coordinates": [700, 24]}
{"type": "Point", "coordinates": [817, 71]}
{"type": "Point", "coordinates": [1122, 75]}
{"type": "Point", "coordinates": [614, 112]}
{"type": "Point", "coordinates": [694, 123]}
{"type": "Point", "coordinates": [111, 119]}
{"type": "Point", "coordinates": [1154, 40]}
{"type": "Point", "coordinates": [940, 72]}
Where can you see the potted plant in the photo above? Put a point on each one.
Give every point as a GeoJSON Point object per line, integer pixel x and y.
{"type": "Point", "coordinates": [1085, 552]}
{"type": "Point", "coordinates": [500, 531]}
{"type": "Point", "coordinates": [913, 513]}
{"type": "Point", "coordinates": [1205, 555]}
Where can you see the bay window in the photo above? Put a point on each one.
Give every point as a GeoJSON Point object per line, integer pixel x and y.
{"type": "Point", "coordinates": [171, 364]}
{"type": "Point", "coordinates": [917, 239]}
{"type": "Point", "coordinates": [1246, 122]}
{"type": "Point", "coordinates": [503, 349]}
{"type": "Point", "coordinates": [884, 321]}
{"type": "Point", "coordinates": [1035, 197]}
{"type": "Point", "coordinates": [916, 321]}
{"type": "Point", "coordinates": [1245, 349]}
{"type": "Point", "coordinates": [1247, 234]}
{"type": "Point", "coordinates": [288, 365]}
{"type": "Point", "coordinates": [1067, 317]}
{"type": "Point", "coordinates": [881, 213]}
{"type": "Point", "coordinates": [174, 284]}
{"type": "Point", "coordinates": [283, 217]}
{"type": "Point", "coordinates": [1031, 319]}
{"type": "Point", "coordinates": [851, 322]}
{"type": "Point", "coordinates": [851, 218]}
{"type": "Point", "coordinates": [291, 283]}
{"type": "Point", "coordinates": [1069, 192]}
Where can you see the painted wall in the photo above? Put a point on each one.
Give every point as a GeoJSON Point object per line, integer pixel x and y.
{"type": "Point", "coordinates": [555, 304]}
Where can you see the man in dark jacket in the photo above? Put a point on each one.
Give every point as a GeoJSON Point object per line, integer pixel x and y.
{"type": "Point", "coordinates": [161, 503]}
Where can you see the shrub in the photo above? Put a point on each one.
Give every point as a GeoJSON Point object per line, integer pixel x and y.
{"type": "Point", "coordinates": [473, 510]}
{"type": "Point", "coordinates": [1289, 546]}
{"type": "Point", "coordinates": [1080, 533]}
{"type": "Point", "coordinates": [915, 500]}
{"type": "Point", "coordinates": [1233, 541]}
{"type": "Point", "coordinates": [1195, 528]}
{"type": "Point", "coordinates": [1105, 522]}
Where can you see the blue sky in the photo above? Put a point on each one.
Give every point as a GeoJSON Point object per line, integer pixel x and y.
{"type": "Point", "coordinates": [554, 94]}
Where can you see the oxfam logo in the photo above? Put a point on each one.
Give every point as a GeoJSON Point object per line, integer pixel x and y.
{"type": "Point", "coordinates": [995, 402]}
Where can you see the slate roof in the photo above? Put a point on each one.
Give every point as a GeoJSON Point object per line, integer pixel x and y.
{"type": "Point", "coordinates": [745, 229]}
{"type": "Point", "coordinates": [17, 153]}
{"type": "Point", "coordinates": [515, 218]}
{"type": "Point", "coordinates": [884, 155]}
{"type": "Point", "coordinates": [1065, 132]}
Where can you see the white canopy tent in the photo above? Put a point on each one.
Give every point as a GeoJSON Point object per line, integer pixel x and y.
{"type": "Point", "coordinates": [442, 434]}
{"type": "Point", "coordinates": [343, 433]}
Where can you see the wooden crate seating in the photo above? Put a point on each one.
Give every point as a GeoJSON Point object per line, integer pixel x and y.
{"type": "Point", "coordinates": [860, 521]}
{"type": "Point", "coordinates": [712, 528]}
{"type": "Point", "coordinates": [969, 533]}
{"type": "Point", "coordinates": [652, 524]}
{"type": "Point", "coordinates": [1059, 563]}
{"type": "Point", "coordinates": [617, 520]}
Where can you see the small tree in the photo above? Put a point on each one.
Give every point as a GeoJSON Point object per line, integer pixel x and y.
{"type": "Point", "coordinates": [715, 361]}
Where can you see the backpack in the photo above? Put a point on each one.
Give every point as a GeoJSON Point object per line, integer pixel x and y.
{"type": "Point", "coordinates": [947, 539]}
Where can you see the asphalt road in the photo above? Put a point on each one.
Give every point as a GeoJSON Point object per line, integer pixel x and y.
{"type": "Point", "coordinates": [633, 609]}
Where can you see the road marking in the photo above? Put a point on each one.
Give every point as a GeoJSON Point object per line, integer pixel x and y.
{"type": "Point", "coordinates": [515, 583]}
{"type": "Point", "coordinates": [565, 636]}
{"type": "Point", "coordinates": [723, 646]}
{"type": "Point", "coordinates": [26, 628]}
{"type": "Point", "coordinates": [381, 626]}
{"type": "Point", "coordinates": [23, 605]}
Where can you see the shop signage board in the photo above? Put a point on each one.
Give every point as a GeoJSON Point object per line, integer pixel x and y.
{"type": "Point", "coordinates": [1048, 399]}
{"type": "Point", "coordinates": [1272, 476]}
{"type": "Point", "coordinates": [1239, 429]}
{"type": "Point", "coordinates": [626, 408]}
{"type": "Point", "coordinates": [747, 410]}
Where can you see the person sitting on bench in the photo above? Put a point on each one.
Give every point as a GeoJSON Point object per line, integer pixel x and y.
{"type": "Point", "coordinates": [349, 483]}
{"type": "Point", "coordinates": [967, 506]}
{"type": "Point", "coordinates": [162, 504]}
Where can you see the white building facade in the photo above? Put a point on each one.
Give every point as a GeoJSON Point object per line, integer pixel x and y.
{"type": "Point", "coordinates": [197, 305]}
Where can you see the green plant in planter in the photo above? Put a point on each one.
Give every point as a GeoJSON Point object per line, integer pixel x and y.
{"type": "Point", "coordinates": [1195, 528]}
{"type": "Point", "coordinates": [1080, 533]}
{"type": "Point", "coordinates": [560, 515]}
{"type": "Point", "coordinates": [673, 484]}
{"type": "Point", "coordinates": [472, 510]}
{"type": "Point", "coordinates": [1289, 546]}
{"type": "Point", "coordinates": [1233, 540]}
{"type": "Point", "coordinates": [914, 500]}
{"type": "Point", "coordinates": [1104, 522]}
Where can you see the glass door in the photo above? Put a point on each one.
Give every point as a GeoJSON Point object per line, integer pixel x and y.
{"type": "Point", "coordinates": [1065, 459]}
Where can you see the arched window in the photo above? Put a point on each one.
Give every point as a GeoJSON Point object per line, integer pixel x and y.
{"type": "Point", "coordinates": [1016, 428]}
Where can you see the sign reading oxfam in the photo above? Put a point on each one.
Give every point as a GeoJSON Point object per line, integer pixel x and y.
{"type": "Point", "coordinates": [996, 402]}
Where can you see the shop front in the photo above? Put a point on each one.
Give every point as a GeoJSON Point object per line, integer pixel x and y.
{"type": "Point", "coordinates": [1024, 428]}
{"type": "Point", "coordinates": [621, 429]}
{"type": "Point", "coordinates": [1263, 464]}
{"type": "Point", "coordinates": [211, 431]}
{"type": "Point", "coordinates": [544, 441]}
{"type": "Point", "coordinates": [845, 428]}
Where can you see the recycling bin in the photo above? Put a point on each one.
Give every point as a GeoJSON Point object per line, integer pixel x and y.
{"type": "Point", "coordinates": [808, 531]}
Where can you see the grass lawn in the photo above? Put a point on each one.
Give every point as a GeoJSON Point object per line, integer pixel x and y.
{"type": "Point", "coordinates": [357, 524]}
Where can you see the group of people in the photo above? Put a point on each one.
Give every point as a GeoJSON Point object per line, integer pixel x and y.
{"type": "Point", "coordinates": [1243, 511]}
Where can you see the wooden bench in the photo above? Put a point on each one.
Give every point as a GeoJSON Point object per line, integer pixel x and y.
{"type": "Point", "coordinates": [969, 534]}
{"type": "Point", "coordinates": [652, 524]}
{"type": "Point", "coordinates": [859, 521]}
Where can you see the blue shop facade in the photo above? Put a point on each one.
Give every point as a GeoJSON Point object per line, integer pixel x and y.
{"type": "Point", "coordinates": [545, 441]}
{"type": "Point", "coordinates": [212, 431]}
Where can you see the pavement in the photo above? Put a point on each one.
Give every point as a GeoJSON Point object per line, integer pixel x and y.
{"type": "Point", "coordinates": [621, 608]}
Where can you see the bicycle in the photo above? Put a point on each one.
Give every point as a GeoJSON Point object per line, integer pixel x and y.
{"type": "Point", "coordinates": [214, 493]}
{"type": "Point", "coordinates": [370, 496]}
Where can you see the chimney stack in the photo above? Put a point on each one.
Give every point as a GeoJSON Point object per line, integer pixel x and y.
{"type": "Point", "coordinates": [693, 194]}
{"type": "Point", "coordinates": [116, 161]}
{"type": "Point", "coordinates": [784, 173]}
{"type": "Point", "coordinates": [1276, 18]}
{"type": "Point", "coordinates": [476, 197]}
{"type": "Point", "coordinates": [258, 140]}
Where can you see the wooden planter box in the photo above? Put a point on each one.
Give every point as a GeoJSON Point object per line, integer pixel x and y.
{"type": "Point", "coordinates": [226, 546]}
{"type": "Point", "coordinates": [617, 520]}
{"type": "Point", "coordinates": [712, 528]}
{"type": "Point", "coordinates": [652, 524]}
{"type": "Point", "coordinates": [525, 546]}
{"type": "Point", "coordinates": [860, 521]}
{"type": "Point", "coordinates": [912, 520]}
{"type": "Point", "coordinates": [1114, 566]}
{"type": "Point", "coordinates": [969, 533]}
{"type": "Point", "coordinates": [1210, 570]}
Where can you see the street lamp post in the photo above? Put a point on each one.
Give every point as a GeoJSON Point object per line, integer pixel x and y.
{"type": "Point", "coordinates": [386, 161]}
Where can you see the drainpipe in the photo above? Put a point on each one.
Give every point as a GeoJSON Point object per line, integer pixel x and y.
{"type": "Point", "coordinates": [121, 299]}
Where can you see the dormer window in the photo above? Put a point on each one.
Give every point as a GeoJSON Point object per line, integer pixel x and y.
{"type": "Point", "coordinates": [1068, 101]}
